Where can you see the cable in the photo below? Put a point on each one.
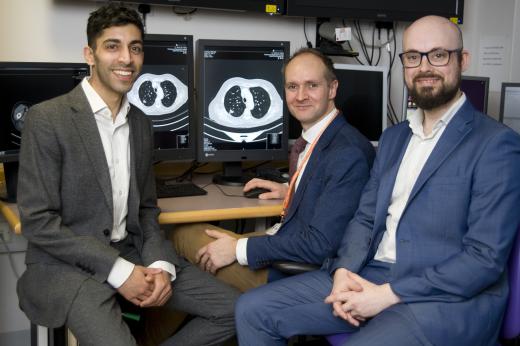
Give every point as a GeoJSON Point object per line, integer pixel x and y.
{"type": "Point", "coordinates": [309, 44]}
{"type": "Point", "coordinates": [144, 9]}
{"type": "Point", "coordinates": [372, 45]}
{"type": "Point", "coordinates": [225, 193]}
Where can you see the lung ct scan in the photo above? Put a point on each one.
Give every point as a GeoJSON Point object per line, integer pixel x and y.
{"type": "Point", "coordinates": [244, 110]}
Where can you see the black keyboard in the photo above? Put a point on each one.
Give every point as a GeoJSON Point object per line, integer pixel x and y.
{"type": "Point", "coordinates": [166, 189]}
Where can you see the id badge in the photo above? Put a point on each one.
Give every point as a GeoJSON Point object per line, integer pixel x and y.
{"type": "Point", "coordinates": [274, 229]}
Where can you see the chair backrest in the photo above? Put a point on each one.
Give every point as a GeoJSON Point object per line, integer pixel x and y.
{"type": "Point", "coordinates": [337, 339]}
{"type": "Point", "coordinates": [511, 323]}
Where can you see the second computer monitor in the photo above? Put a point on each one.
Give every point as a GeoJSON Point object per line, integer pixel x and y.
{"type": "Point", "coordinates": [510, 105]}
{"type": "Point", "coordinates": [164, 92]}
{"type": "Point", "coordinates": [362, 97]}
{"type": "Point", "coordinates": [241, 110]}
{"type": "Point", "coordinates": [476, 90]}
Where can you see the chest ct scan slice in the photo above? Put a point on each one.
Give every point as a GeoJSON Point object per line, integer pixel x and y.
{"type": "Point", "coordinates": [158, 94]}
{"type": "Point", "coordinates": [246, 103]}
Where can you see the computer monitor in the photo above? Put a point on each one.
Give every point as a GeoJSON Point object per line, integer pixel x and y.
{"type": "Point", "coordinates": [476, 90]}
{"type": "Point", "coordinates": [164, 92]}
{"type": "Point", "coordinates": [241, 110]}
{"type": "Point", "coordinates": [510, 105]}
{"type": "Point", "coordinates": [362, 97]}
{"type": "Point", "coordinates": [24, 84]}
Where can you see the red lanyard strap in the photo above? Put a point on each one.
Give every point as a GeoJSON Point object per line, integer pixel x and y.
{"type": "Point", "coordinates": [288, 197]}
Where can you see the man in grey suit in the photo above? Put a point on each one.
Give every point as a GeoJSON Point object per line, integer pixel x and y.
{"type": "Point", "coordinates": [88, 207]}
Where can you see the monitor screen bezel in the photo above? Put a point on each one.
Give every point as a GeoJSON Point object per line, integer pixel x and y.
{"type": "Point", "coordinates": [383, 70]}
{"type": "Point", "coordinates": [505, 85]}
{"type": "Point", "coordinates": [80, 69]}
{"type": "Point", "coordinates": [179, 154]}
{"type": "Point", "coordinates": [236, 155]}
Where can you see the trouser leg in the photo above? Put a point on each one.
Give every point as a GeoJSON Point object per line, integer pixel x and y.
{"type": "Point", "coordinates": [189, 238]}
{"type": "Point", "coordinates": [95, 317]}
{"type": "Point", "coordinates": [271, 314]}
{"type": "Point", "coordinates": [210, 301]}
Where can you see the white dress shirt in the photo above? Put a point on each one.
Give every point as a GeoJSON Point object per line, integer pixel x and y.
{"type": "Point", "coordinates": [309, 135]}
{"type": "Point", "coordinates": [115, 137]}
{"type": "Point", "coordinates": [417, 153]}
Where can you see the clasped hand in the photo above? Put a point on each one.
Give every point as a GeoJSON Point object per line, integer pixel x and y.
{"type": "Point", "coordinates": [147, 287]}
{"type": "Point", "coordinates": [217, 254]}
{"type": "Point", "coordinates": [355, 299]}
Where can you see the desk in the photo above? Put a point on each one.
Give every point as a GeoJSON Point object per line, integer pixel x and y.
{"type": "Point", "coordinates": [214, 206]}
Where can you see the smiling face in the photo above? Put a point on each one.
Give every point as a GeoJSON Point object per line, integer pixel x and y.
{"type": "Point", "coordinates": [116, 60]}
{"type": "Point", "coordinates": [308, 93]}
{"type": "Point", "coordinates": [434, 86]}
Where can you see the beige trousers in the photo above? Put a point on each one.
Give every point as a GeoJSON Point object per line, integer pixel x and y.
{"type": "Point", "coordinates": [189, 238]}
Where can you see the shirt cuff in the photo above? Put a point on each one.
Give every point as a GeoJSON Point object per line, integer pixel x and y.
{"type": "Point", "coordinates": [166, 266]}
{"type": "Point", "coordinates": [120, 272]}
{"type": "Point", "coordinates": [241, 251]}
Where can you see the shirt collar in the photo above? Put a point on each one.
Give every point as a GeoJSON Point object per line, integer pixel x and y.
{"type": "Point", "coordinates": [415, 119]}
{"type": "Point", "coordinates": [98, 106]}
{"type": "Point", "coordinates": [311, 133]}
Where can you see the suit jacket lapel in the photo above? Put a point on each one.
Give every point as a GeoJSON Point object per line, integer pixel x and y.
{"type": "Point", "coordinates": [88, 132]}
{"type": "Point", "coordinates": [387, 180]}
{"type": "Point", "coordinates": [135, 157]}
{"type": "Point", "coordinates": [457, 129]}
{"type": "Point", "coordinates": [324, 141]}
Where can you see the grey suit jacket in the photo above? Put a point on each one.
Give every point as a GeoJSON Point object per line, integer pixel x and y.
{"type": "Point", "coordinates": [65, 203]}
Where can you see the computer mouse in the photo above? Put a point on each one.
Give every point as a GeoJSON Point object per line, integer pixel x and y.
{"type": "Point", "coordinates": [255, 192]}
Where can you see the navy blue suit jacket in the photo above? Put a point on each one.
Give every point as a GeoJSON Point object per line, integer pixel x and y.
{"type": "Point", "coordinates": [455, 234]}
{"type": "Point", "coordinates": [325, 201]}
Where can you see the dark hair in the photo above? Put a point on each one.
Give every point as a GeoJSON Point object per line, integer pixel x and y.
{"type": "Point", "coordinates": [330, 73]}
{"type": "Point", "coordinates": [110, 15]}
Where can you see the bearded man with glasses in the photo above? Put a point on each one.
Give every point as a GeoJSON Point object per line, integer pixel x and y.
{"type": "Point", "coordinates": [423, 261]}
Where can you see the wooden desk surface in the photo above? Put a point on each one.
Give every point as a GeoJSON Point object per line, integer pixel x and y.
{"type": "Point", "coordinates": [214, 206]}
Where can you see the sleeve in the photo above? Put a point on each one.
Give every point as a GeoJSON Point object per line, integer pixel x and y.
{"type": "Point", "coordinates": [492, 222]}
{"type": "Point", "coordinates": [39, 201]}
{"type": "Point", "coordinates": [312, 239]}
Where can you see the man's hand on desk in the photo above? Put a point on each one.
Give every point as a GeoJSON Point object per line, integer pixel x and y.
{"type": "Point", "coordinates": [278, 191]}
{"type": "Point", "coordinates": [218, 253]}
{"type": "Point", "coordinates": [136, 288]}
{"type": "Point", "coordinates": [162, 289]}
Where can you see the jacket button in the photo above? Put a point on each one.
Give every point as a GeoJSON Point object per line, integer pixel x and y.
{"type": "Point", "coordinates": [106, 232]}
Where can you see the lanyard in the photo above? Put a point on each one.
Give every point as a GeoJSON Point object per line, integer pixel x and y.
{"type": "Point", "coordinates": [292, 185]}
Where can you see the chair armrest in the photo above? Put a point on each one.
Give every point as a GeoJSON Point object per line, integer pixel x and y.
{"type": "Point", "coordinates": [293, 268]}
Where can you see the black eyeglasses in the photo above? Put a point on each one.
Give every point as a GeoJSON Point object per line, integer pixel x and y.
{"type": "Point", "coordinates": [436, 57]}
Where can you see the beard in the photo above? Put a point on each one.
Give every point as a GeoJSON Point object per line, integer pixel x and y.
{"type": "Point", "coordinates": [427, 98]}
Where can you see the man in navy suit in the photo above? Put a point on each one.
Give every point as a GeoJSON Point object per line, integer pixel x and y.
{"type": "Point", "coordinates": [334, 168]}
{"type": "Point", "coordinates": [423, 260]}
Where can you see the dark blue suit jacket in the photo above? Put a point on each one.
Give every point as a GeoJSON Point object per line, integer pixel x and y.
{"type": "Point", "coordinates": [457, 229]}
{"type": "Point", "coordinates": [325, 201]}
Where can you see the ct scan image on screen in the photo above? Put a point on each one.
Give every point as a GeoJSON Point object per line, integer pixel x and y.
{"type": "Point", "coordinates": [161, 92]}
{"type": "Point", "coordinates": [23, 88]}
{"type": "Point", "coordinates": [243, 105]}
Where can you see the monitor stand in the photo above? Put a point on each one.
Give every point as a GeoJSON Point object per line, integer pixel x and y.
{"type": "Point", "coordinates": [232, 175]}
{"type": "Point", "coordinates": [11, 180]}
